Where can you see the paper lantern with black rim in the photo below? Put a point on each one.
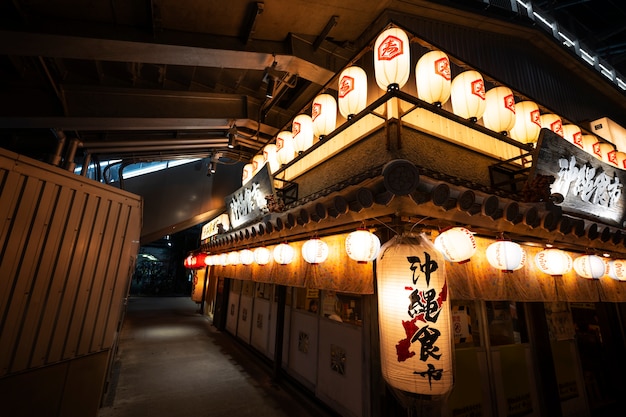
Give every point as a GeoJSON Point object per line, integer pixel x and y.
{"type": "Point", "coordinates": [433, 78]}
{"type": "Point", "coordinates": [302, 131]}
{"type": "Point", "coordinates": [247, 173]}
{"type": "Point", "coordinates": [315, 251]}
{"type": "Point", "coordinates": [262, 255]}
{"type": "Point", "coordinates": [456, 244]}
{"type": "Point", "coordinates": [362, 245]}
{"type": "Point", "coordinates": [506, 255]}
{"type": "Point", "coordinates": [527, 122]}
{"type": "Point", "coordinates": [246, 256]}
{"type": "Point", "coordinates": [414, 317]}
{"type": "Point", "coordinates": [499, 113]}
{"type": "Point", "coordinates": [590, 266]}
{"type": "Point", "coordinates": [617, 269]}
{"type": "Point", "coordinates": [553, 261]}
{"type": "Point", "coordinates": [552, 122]}
{"type": "Point", "coordinates": [270, 156]}
{"type": "Point", "coordinates": [285, 148]}
{"type": "Point", "coordinates": [392, 59]}
{"type": "Point", "coordinates": [468, 95]}
{"type": "Point", "coordinates": [284, 253]}
{"type": "Point", "coordinates": [352, 91]}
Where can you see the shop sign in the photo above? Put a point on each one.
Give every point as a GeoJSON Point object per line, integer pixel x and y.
{"type": "Point", "coordinates": [220, 224]}
{"type": "Point", "coordinates": [249, 203]}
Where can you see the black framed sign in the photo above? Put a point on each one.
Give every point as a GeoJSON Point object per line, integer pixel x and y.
{"type": "Point", "coordinates": [249, 203]}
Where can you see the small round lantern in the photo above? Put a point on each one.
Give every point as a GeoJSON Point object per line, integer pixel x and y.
{"type": "Point", "coordinates": [617, 269]}
{"type": "Point", "coordinates": [468, 95]}
{"type": "Point", "coordinates": [222, 259]}
{"type": "Point", "coordinates": [553, 261]}
{"type": "Point", "coordinates": [246, 256]}
{"type": "Point", "coordinates": [233, 258]}
{"type": "Point", "coordinates": [209, 260]}
{"type": "Point", "coordinates": [247, 175]}
{"type": "Point", "coordinates": [324, 115]}
{"type": "Point", "coordinates": [499, 113]}
{"type": "Point", "coordinates": [257, 163]}
{"type": "Point", "coordinates": [590, 266]}
{"type": "Point", "coordinates": [572, 134]}
{"type": "Point", "coordinates": [456, 244]}
{"type": "Point", "coordinates": [433, 78]}
{"type": "Point", "coordinates": [285, 148]}
{"type": "Point", "coordinates": [302, 131]}
{"type": "Point", "coordinates": [392, 59]}
{"type": "Point", "coordinates": [352, 91]}
{"type": "Point", "coordinates": [315, 251]}
{"type": "Point", "coordinates": [187, 261]}
{"type": "Point", "coordinates": [270, 157]}
{"type": "Point", "coordinates": [552, 122]}
{"type": "Point", "coordinates": [284, 254]}
{"type": "Point", "coordinates": [362, 246]}
{"type": "Point", "coordinates": [262, 255]}
{"type": "Point", "coordinates": [527, 122]}
{"type": "Point", "coordinates": [506, 256]}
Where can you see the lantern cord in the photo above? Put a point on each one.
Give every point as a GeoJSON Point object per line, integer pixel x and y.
{"type": "Point", "coordinates": [413, 227]}
{"type": "Point", "coordinates": [386, 225]}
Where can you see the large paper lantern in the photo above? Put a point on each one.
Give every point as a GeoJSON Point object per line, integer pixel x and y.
{"type": "Point", "coordinates": [553, 261]}
{"type": "Point", "coordinates": [605, 152]}
{"type": "Point", "coordinates": [324, 115]}
{"type": "Point", "coordinates": [617, 269]}
{"type": "Point", "coordinates": [262, 255]}
{"type": "Point", "coordinates": [590, 266]}
{"type": "Point", "coordinates": [315, 251]}
{"type": "Point", "coordinates": [468, 95]}
{"type": "Point", "coordinates": [270, 157]}
{"type": "Point", "coordinates": [392, 59]}
{"type": "Point", "coordinates": [587, 142]}
{"type": "Point", "coordinates": [352, 91]}
{"type": "Point", "coordinates": [246, 256]}
{"type": "Point", "coordinates": [247, 173]}
{"type": "Point", "coordinates": [285, 148]}
{"type": "Point", "coordinates": [284, 253]}
{"type": "Point", "coordinates": [572, 134]}
{"type": "Point", "coordinates": [456, 244]}
{"type": "Point", "coordinates": [620, 157]}
{"type": "Point", "coordinates": [257, 163]}
{"type": "Point", "coordinates": [527, 122]}
{"type": "Point", "coordinates": [433, 77]}
{"type": "Point", "coordinates": [362, 245]}
{"type": "Point", "coordinates": [505, 255]}
{"type": "Point", "coordinates": [499, 113]}
{"type": "Point", "coordinates": [302, 131]}
{"type": "Point", "coordinates": [552, 122]}
{"type": "Point", "coordinates": [414, 318]}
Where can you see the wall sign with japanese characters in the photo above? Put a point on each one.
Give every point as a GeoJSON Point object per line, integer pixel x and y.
{"type": "Point", "coordinates": [248, 203]}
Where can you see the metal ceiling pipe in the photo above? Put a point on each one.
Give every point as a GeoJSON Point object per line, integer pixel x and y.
{"type": "Point", "coordinates": [70, 154]}
{"type": "Point", "coordinates": [55, 158]}
{"type": "Point", "coordinates": [170, 142]}
{"type": "Point", "coordinates": [130, 149]}
{"type": "Point", "coordinates": [85, 168]}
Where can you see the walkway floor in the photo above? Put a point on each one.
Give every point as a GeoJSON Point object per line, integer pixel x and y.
{"type": "Point", "coordinates": [172, 362]}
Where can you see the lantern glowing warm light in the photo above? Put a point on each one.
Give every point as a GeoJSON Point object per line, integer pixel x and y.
{"type": "Point", "coordinates": [605, 152]}
{"type": "Point", "coordinates": [284, 254]}
{"type": "Point", "coordinates": [553, 261]}
{"type": "Point", "coordinates": [285, 148]}
{"type": "Point", "coordinates": [433, 77]}
{"type": "Point", "coordinates": [468, 95]}
{"type": "Point", "coordinates": [620, 157]}
{"type": "Point", "coordinates": [352, 91]}
{"type": "Point", "coordinates": [257, 163]}
{"type": "Point", "coordinates": [617, 269]}
{"type": "Point", "coordinates": [233, 258]}
{"type": "Point", "coordinates": [499, 113]}
{"type": "Point", "coordinates": [506, 256]}
{"type": "Point", "coordinates": [456, 244]}
{"type": "Point", "coordinates": [262, 255]}
{"type": "Point", "coordinates": [587, 142]}
{"type": "Point", "coordinates": [302, 131]}
{"type": "Point", "coordinates": [410, 272]}
{"type": "Point", "coordinates": [246, 256]}
{"type": "Point", "coordinates": [392, 59]}
{"type": "Point", "coordinates": [270, 157]}
{"type": "Point", "coordinates": [324, 115]}
{"type": "Point", "coordinates": [552, 122]}
{"type": "Point", "coordinates": [362, 246]}
{"type": "Point", "coordinates": [590, 266]}
{"type": "Point", "coordinates": [222, 259]}
{"type": "Point", "coordinates": [527, 122]}
{"type": "Point", "coordinates": [315, 251]}
{"type": "Point", "coordinates": [247, 175]}
{"type": "Point", "coordinates": [572, 134]}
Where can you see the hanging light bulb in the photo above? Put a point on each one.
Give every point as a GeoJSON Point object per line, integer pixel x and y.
{"type": "Point", "coordinates": [362, 245]}
{"type": "Point", "coordinates": [392, 59]}
{"type": "Point", "coordinates": [506, 256]}
{"type": "Point", "coordinates": [433, 78]}
{"type": "Point", "coordinates": [262, 255]}
{"type": "Point", "coordinates": [352, 91]}
{"type": "Point", "coordinates": [590, 266]}
{"type": "Point", "coordinates": [284, 254]}
{"type": "Point", "coordinates": [456, 244]}
{"type": "Point", "coordinates": [553, 261]}
{"type": "Point", "coordinates": [315, 251]}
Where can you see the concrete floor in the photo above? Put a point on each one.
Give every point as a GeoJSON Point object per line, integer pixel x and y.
{"type": "Point", "coordinates": [172, 362]}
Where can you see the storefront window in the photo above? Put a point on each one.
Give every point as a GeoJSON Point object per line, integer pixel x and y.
{"type": "Point", "coordinates": [307, 299]}
{"type": "Point", "coordinates": [507, 325]}
{"type": "Point", "coordinates": [342, 307]}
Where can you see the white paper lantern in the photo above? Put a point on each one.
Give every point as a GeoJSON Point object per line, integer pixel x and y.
{"type": "Point", "coordinates": [553, 261]}
{"type": "Point", "coordinates": [233, 258]}
{"type": "Point", "coordinates": [246, 256]}
{"type": "Point", "coordinates": [414, 318]}
{"type": "Point", "coordinates": [499, 113]}
{"type": "Point", "coordinates": [468, 95]}
{"type": "Point", "coordinates": [620, 157]}
{"type": "Point", "coordinates": [572, 134]}
{"type": "Point", "coordinates": [247, 173]}
{"type": "Point", "coordinates": [302, 131]}
{"type": "Point", "coordinates": [506, 255]}
{"type": "Point", "coordinates": [324, 115]}
{"type": "Point", "coordinates": [433, 77]}
{"type": "Point", "coordinates": [270, 157]}
{"type": "Point", "coordinates": [456, 244]}
{"type": "Point", "coordinates": [284, 254]}
{"type": "Point", "coordinates": [362, 246]}
{"type": "Point", "coordinates": [527, 122]}
{"type": "Point", "coordinates": [392, 59]}
{"type": "Point", "coordinates": [552, 122]}
{"type": "Point", "coordinates": [315, 251]}
{"type": "Point", "coordinates": [209, 260]}
{"type": "Point", "coordinates": [352, 91]}
{"type": "Point", "coordinates": [285, 148]}
{"type": "Point", "coordinates": [222, 259]}
{"type": "Point", "coordinates": [262, 255]}
{"type": "Point", "coordinates": [590, 266]}
{"type": "Point", "coordinates": [257, 163]}
{"type": "Point", "coordinates": [605, 152]}
{"type": "Point", "coordinates": [617, 269]}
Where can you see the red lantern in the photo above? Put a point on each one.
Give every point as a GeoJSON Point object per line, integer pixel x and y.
{"type": "Point", "coordinates": [468, 95]}
{"type": "Point", "coordinates": [352, 91]}
{"type": "Point", "coordinates": [433, 77]}
{"type": "Point", "coordinates": [392, 59]}
{"type": "Point", "coordinates": [499, 113]}
{"type": "Point", "coordinates": [527, 122]}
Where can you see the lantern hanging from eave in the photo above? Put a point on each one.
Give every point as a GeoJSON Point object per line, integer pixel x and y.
{"type": "Point", "coordinates": [590, 266]}
{"type": "Point", "coordinates": [257, 163]}
{"type": "Point", "coordinates": [302, 131]}
{"type": "Point", "coordinates": [352, 91]}
{"type": "Point", "coordinates": [414, 317]}
{"type": "Point", "coordinates": [605, 152]}
{"type": "Point", "coordinates": [315, 251]}
{"type": "Point", "coordinates": [233, 258]}
{"type": "Point", "coordinates": [392, 59]}
{"type": "Point", "coordinates": [187, 261]}
{"type": "Point", "coordinates": [506, 255]}
{"type": "Point", "coordinates": [247, 173]}
{"type": "Point", "coordinates": [587, 144]}
{"type": "Point", "coordinates": [262, 255]}
{"type": "Point", "coordinates": [270, 157]}
{"type": "Point", "coordinates": [246, 256]}
{"type": "Point", "coordinates": [552, 122]}
{"type": "Point", "coordinates": [620, 157]}
{"type": "Point", "coordinates": [222, 259]}
{"type": "Point", "coordinates": [553, 261]}
{"type": "Point", "coordinates": [572, 134]}
{"type": "Point", "coordinates": [468, 95]}
{"type": "Point", "coordinates": [617, 269]}
{"type": "Point", "coordinates": [324, 115]}
{"type": "Point", "coordinates": [456, 244]}
{"type": "Point", "coordinates": [362, 245]}
{"type": "Point", "coordinates": [285, 149]}
{"type": "Point", "coordinates": [284, 253]}
{"type": "Point", "coordinates": [499, 113]}
{"type": "Point", "coordinates": [527, 122]}
{"type": "Point", "coordinates": [208, 260]}
{"type": "Point", "coordinates": [433, 78]}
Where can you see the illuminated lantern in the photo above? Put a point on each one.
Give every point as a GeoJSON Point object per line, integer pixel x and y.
{"type": "Point", "coordinates": [284, 254]}
{"type": "Point", "coordinates": [324, 115]}
{"type": "Point", "coordinates": [362, 246]}
{"type": "Point", "coordinates": [270, 157]}
{"type": "Point", "coordinates": [233, 258]}
{"type": "Point", "coordinates": [208, 260]}
{"type": "Point", "coordinates": [246, 256]}
{"type": "Point", "coordinates": [315, 251]}
{"type": "Point", "coordinates": [499, 113]}
{"type": "Point", "coordinates": [527, 122]}
{"type": "Point", "coordinates": [262, 255]}
{"type": "Point", "coordinates": [506, 256]}
{"type": "Point", "coordinates": [285, 148]}
{"type": "Point", "coordinates": [410, 272]}
{"type": "Point", "coordinates": [617, 269]}
{"type": "Point", "coordinates": [605, 152]}
{"type": "Point", "coordinates": [222, 259]}
{"type": "Point", "coordinates": [468, 95]}
{"type": "Point", "coordinates": [552, 122]}
{"type": "Point", "coordinates": [553, 261]}
{"type": "Point", "coordinates": [572, 134]}
{"type": "Point", "coordinates": [433, 77]}
{"type": "Point", "coordinates": [187, 262]}
{"type": "Point", "coordinates": [456, 244]}
{"type": "Point", "coordinates": [587, 143]}
{"type": "Point", "coordinates": [392, 59]}
{"type": "Point", "coordinates": [590, 266]}
{"type": "Point", "coordinates": [257, 163]}
{"type": "Point", "coordinates": [247, 175]}
{"type": "Point", "coordinates": [215, 259]}
{"type": "Point", "coordinates": [620, 157]}
{"type": "Point", "coordinates": [352, 91]}
{"type": "Point", "coordinates": [302, 131]}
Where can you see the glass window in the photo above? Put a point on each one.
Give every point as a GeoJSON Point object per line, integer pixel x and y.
{"type": "Point", "coordinates": [507, 325]}
{"type": "Point", "coordinates": [307, 299]}
{"type": "Point", "coordinates": [342, 307]}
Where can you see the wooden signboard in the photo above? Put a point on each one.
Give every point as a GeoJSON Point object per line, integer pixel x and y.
{"type": "Point", "coordinates": [248, 203]}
